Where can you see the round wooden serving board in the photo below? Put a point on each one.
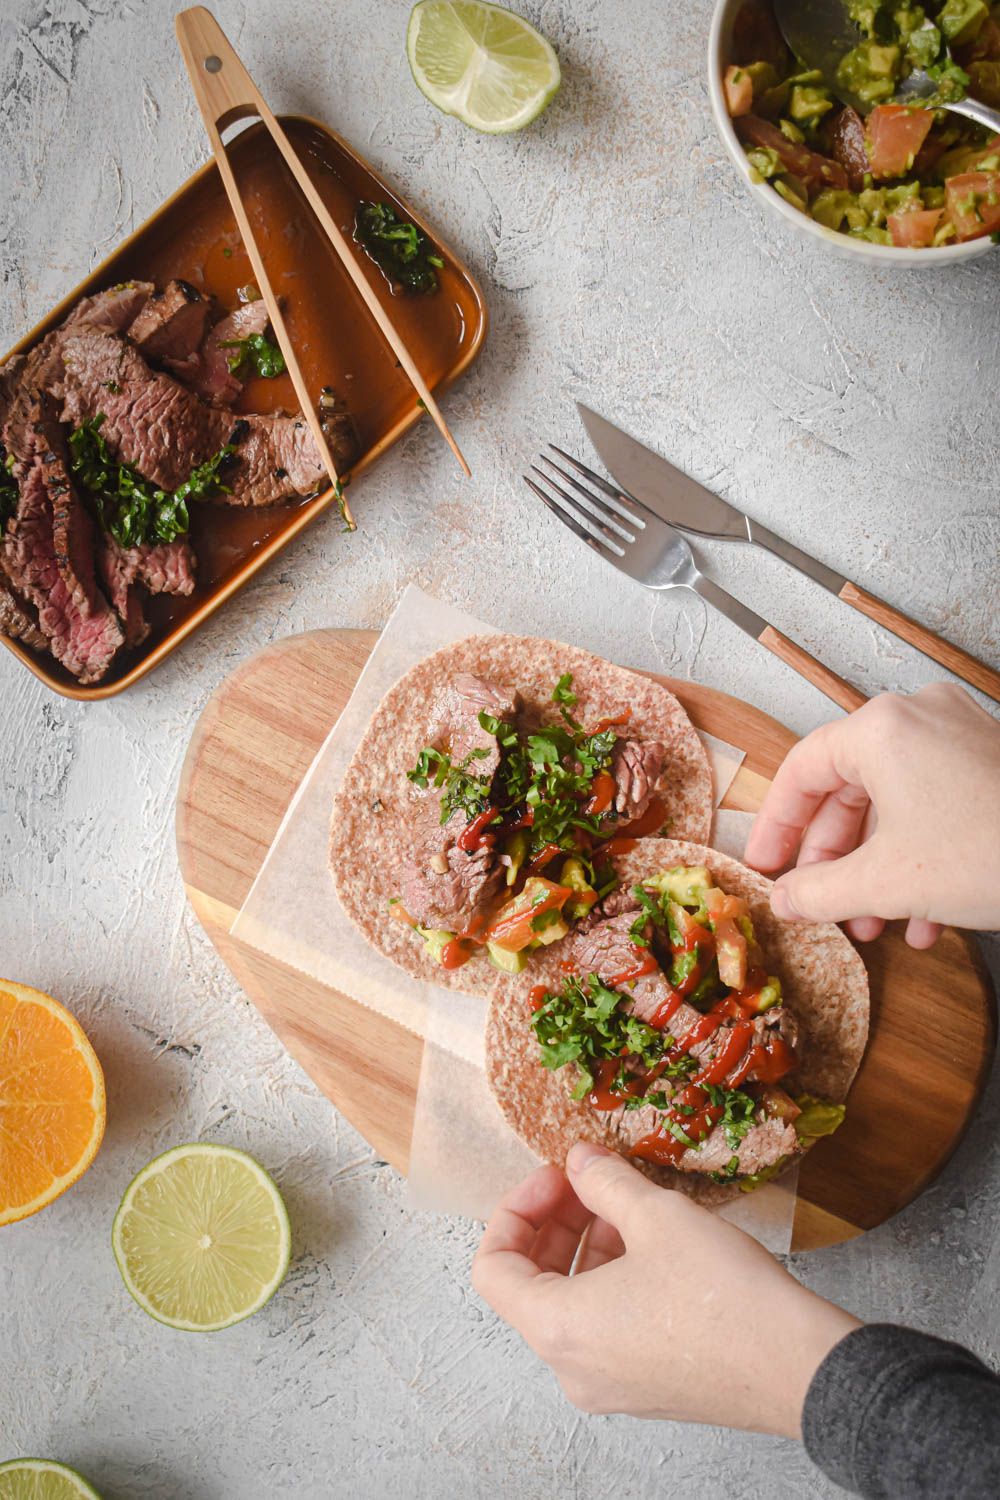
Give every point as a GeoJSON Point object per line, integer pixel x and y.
{"type": "Point", "coordinates": [933, 1028]}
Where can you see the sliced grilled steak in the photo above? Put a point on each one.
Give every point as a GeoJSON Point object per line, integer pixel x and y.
{"type": "Point", "coordinates": [764, 1144]}
{"type": "Point", "coordinates": [18, 618]}
{"type": "Point", "coordinates": [164, 431]}
{"type": "Point", "coordinates": [49, 547]}
{"type": "Point", "coordinates": [636, 766]}
{"type": "Point", "coordinates": [441, 885]}
{"type": "Point", "coordinates": [207, 372]}
{"type": "Point", "coordinates": [607, 950]}
{"type": "Point", "coordinates": [171, 323]}
{"type": "Point", "coordinates": [111, 311]}
{"type": "Point", "coordinates": [455, 720]}
{"type": "Point", "coordinates": [118, 578]}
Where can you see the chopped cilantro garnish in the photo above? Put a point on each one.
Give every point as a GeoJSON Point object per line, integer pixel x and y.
{"type": "Point", "coordinates": [256, 354]}
{"type": "Point", "coordinates": [129, 507]}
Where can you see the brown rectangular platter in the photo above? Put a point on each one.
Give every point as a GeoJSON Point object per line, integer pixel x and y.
{"type": "Point", "coordinates": [193, 236]}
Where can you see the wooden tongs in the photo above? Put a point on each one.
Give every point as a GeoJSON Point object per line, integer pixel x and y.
{"type": "Point", "coordinates": [226, 93]}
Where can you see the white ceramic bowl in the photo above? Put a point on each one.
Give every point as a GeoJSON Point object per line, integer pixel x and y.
{"type": "Point", "coordinates": [772, 202]}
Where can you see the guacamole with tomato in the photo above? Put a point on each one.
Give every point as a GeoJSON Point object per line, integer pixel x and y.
{"type": "Point", "coordinates": [899, 174]}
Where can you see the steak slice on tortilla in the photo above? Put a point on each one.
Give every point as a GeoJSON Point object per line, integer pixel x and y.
{"type": "Point", "coordinates": [385, 844]}
{"type": "Point", "coordinates": [823, 1013]}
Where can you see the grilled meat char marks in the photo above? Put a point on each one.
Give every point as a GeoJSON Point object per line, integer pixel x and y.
{"type": "Point", "coordinates": [207, 371]}
{"type": "Point", "coordinates": [155, 424]}
{"type": "Point", "coordinates": [48, 549]}
{"type": "Point", "coordinates": [443, 886]}
{"type": "Point", "coordinates": [171, 323]}
{"type": "Point", "coordinates": [608, 951]}
{"type": "Point", "coordinates": [18, 617]}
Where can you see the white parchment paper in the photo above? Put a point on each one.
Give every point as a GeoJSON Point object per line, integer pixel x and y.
{"type": "Point", "coordinates": [463, 1155]}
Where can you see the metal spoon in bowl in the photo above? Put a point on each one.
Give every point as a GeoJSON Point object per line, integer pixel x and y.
{"type": "Point", "coordinates": [821, 33]}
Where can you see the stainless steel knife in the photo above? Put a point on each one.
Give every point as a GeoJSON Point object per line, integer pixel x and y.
{"type": "Point", "coordinates": [677, 498]}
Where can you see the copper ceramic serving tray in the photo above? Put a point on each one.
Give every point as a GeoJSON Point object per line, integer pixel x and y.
{"type": "Point", "coordinates": [194, 236]}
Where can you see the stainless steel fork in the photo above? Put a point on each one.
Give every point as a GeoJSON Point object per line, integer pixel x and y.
{"type": "Point", "coordinates": [633, 539]}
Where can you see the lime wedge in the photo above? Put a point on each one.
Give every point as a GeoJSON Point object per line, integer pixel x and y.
{"type": "Point", "coordinates": [42, 1479]}
{"type": "Point", "coordinates": [481, 63]}
{"type": "Point", "coordinates": [202, 1237]}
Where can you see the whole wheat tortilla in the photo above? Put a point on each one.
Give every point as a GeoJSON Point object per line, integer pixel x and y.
{"type": "Point", "coordinates": [824, 984]}
{"type": "Point", "coordinates": [371, 811]}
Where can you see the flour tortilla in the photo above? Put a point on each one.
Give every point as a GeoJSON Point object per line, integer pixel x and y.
{"type": "Point", "coordinates": [824, 984]}
{"type": "Point", "coordinates": [368, 834]}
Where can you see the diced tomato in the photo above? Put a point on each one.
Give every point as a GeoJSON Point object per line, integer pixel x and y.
{"type": "Point", "coordinates": [719, 904]}
{"type": "Point", "coordinates": [779, 1105]}
{"type": "Point", "coordinates": [973, 202]}
{"type": "Point", "coordinates": [896, 133]}
{"type": "Point", "coordinates": [815, 171]}
{"type": "Point", "coordinates": [512, 928]}
{"type": "Point", "coordinates": [731, 951]}
{"type": "Point", "coordinates": [602, 793]}
{"type": "Point", "coordinates": [738, 86]}
{"type": "Point", "coordinates": [915, 229]}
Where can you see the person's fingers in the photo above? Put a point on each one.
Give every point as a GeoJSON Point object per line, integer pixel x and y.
{"type": "Point", "coordinates": [865, 929]}
{"type": "Point", "coordinates": [835, 890]}
{"type": "Point", "coordinates": [558, 1240]}
{"type": "Point", "coordinates": [819, 765]}
{"type": "Point", "coordinates": [837, 827]}
{"type": "Point", "coordinates": [922, 934]}
{"type": "Point", "coordinates": [504, 1263]}
{"type": "Point", "coordinates": [601, 1243]}
{"type": "Point", "coordinates": [612, 1189]}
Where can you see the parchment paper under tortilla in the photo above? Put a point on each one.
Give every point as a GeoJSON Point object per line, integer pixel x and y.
{"type": "Point", "coordinates": [369, 837]}
{"type": "Point", "coordinates": [824, 984]}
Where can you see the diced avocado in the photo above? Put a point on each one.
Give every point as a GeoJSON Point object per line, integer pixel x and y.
{"type": "Point", "coordinates": [435, 941]}
{"type": "Point", "coordinates": [687, 884]}
{"type": "Point", "coordinates": [791, 132]}
{"type": "Point", "coordinates": [765, 1174]}
{"type": "Point", "coordinates": [574, 875]}
{"type": "Point", "coordinates": [870, 71]}
{"type": "Point", "coordinates": [808, 103]}
{"type": "Point", "coordinates": [551, 932]}
{"type": "Point", "coordinates": [962, 20]}
{"type": "Point", "coordinates": [501, 958]}
{"type": "Point", "coordinates": [768, 995]}
{"type": "Point", "coordinates": [763, 75]}
{"type": "Point", "coordinates": [817, 1117]}
{"type": "Point", "coordinates": [517, 846]}
{"type": "Point", "coordinates": [764, 163]}
{"type": "Point", "coordinates": [791, 189]}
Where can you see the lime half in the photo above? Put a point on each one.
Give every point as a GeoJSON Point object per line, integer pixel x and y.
{"type": "Point", "coordinates": [202, 1237]}
{"type": "Point", "coordinates": [42, 1479]}
{"type": "Point", "coordinates": [481, 63]}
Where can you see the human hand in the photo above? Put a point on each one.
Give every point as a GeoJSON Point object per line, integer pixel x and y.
{"type": "Point", "coordinates": [663, 1311]}
{"type": "Point", "coordinates": [895, 812]}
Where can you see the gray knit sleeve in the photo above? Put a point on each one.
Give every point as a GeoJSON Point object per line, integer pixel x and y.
{"type": "Point", "coordinates": [892, 1414]}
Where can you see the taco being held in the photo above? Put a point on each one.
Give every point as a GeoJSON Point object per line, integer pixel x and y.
{"type": "Point", "coordinates": [685, 1027]}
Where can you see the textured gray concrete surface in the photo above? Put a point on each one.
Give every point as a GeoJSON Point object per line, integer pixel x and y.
{"type": "Point", "coordinates": [852, 409]}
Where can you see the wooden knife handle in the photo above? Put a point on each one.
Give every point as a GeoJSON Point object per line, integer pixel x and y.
{"type": "Point", "coordinates": [812, 670]}
{"type": "Point", "coordinates": [953, 657]}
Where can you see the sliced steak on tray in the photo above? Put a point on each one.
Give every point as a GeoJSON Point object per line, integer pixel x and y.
{"type": "Point", "coordinates": [113, 310]}
{"type": "Point", "coordinates": [164, 431]}
{"type": "Point", "coordinates": [171, 323]}
{"type": "Point", "coordinates": [18, 617]}
{"type": "Point", "coordinates": [49, 546]}
{"type": "Point", "coordinates": [207, 372]}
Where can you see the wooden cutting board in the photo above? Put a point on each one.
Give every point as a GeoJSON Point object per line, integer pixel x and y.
{"type": "Point", "coordinates": [933, 1014]}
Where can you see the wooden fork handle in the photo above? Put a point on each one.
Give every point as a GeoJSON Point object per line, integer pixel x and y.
{"type": "Point", "coordinates": [796, 657]}
{"type": "Point", "coordinates": [954, 658]}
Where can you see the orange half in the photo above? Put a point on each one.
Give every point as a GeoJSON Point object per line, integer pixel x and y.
{"type": "Point", "coordinates": [52, 1105]}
